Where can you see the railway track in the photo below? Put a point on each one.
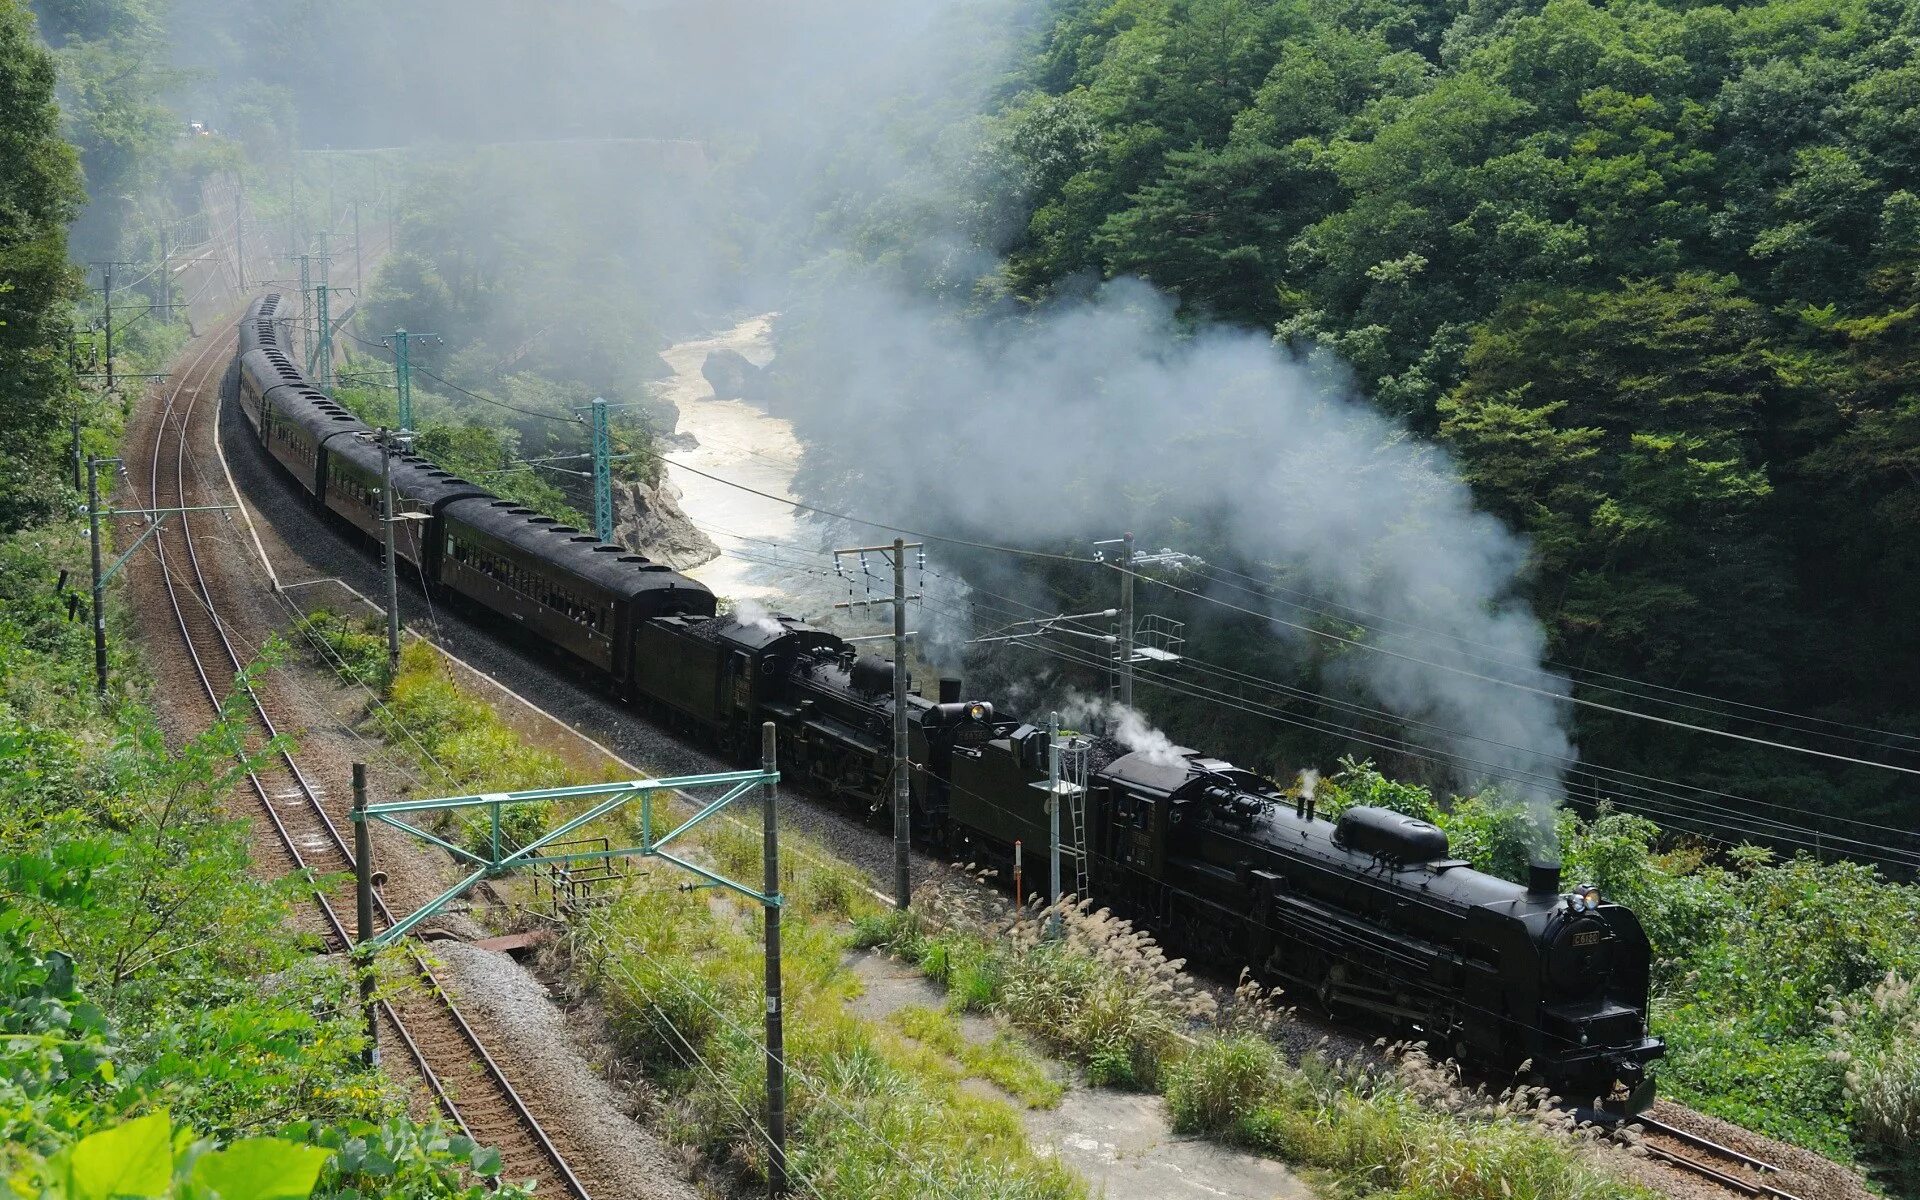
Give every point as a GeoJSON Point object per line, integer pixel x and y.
{"type": "Point", "coordinates": [1702, 1156]}
{"type": "Point", "coordinates": [442, 1047]}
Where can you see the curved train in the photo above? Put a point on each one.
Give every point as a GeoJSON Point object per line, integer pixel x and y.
{"type": "Point", "coordinates": [1368, 912]}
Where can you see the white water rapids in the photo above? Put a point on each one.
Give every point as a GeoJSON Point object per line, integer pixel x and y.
{"type": "Point", "coordinates": [771, 555]}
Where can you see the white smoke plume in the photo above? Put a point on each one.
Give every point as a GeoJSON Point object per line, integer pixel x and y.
{"type": "Point", "coordinates": [1128, 726]}
{"type": "Point", "coordinates": [752, 614]}
{"type": "Point", "coordinates": [1055, 428]}
{"type": "Point", "coordinates": [1307, 784]}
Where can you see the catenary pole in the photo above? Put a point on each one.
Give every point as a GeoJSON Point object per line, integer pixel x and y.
{"type": "Point", "coordinates": [306, 305]}
{"type": "Point", "coordinates": [363, 910]}
{"type": "Point", "coordinates": [902, 788]}
{"type": "Point", "coordinates": [323, 354]}
{"type": "Point", "coordinates": [403, 381]}
{"type": "Point", "coordinates": [776, 1032]}
{"type": "Point", "coordinates": [99, 585]}
{"type": "Point", "coordinates": [240, 231]}
{"type": "Point", "coordinates": [1053, 811]}
{"type": "Point", "coordinates": [393, 578]}
{"type": "Point", "coordinates": [902, 796]}
{"type": "Point", "coordinates": [106, 298]}
{"type": "Point", "coordinates": [602, 473]}
{"type": "Point", "coordinates": [1126, 619]}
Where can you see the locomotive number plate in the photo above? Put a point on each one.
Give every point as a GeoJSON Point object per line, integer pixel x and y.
{"type": "Point", "coordinates": [1587, 937]}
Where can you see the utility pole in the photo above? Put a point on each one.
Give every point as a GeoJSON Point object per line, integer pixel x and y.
{"type": "Point", "coordinates": [306, 304]}
{"type": "Point", "coordinates": [776, 1034]}
{"type": "Point", "coordinates": [1053, 816]}
{"type": "Point", "coordinates": [359, 264]}
{"type": "Point", "coordinates": [106, 298]}
{"type": "Point", "coordinates": [240, 229]}
{"type": "Point", "coordinates": [902, 796]}
{"type": "Point", "coordinates": [1126, 621]}
{"type": "Point", "coordinates": [602, 473]}
{"type": "Point", "coordinates": [1129, 564]}
{"type": "Point", "coordinates": [363, 911]}
{"type": "Point", "coordinates": [902, 791]}
{"type": "Point", "coordinates": [99, 581]}
{"type": "Point", "coordinates": [164, 289]}
{"type": "Point", "coordinates": [393, 576]}
{"type": "Point", "coordinates": [401, 341]}
{"type": "Point", "coordinates": [323, 354]}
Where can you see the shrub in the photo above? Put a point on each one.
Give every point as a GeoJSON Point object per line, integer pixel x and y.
{"type": "Point", "coordinates": [1222, 1082]}
{"type": "Point", "coordinates": [1879, 1035]}
{"type": "Point", "coordinates": [831, 890]}
{"type": "Point", "coordinates": [356, 650]}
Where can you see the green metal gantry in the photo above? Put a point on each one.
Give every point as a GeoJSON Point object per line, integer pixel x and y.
{"type": "Point", "coordinates": [495, 863]}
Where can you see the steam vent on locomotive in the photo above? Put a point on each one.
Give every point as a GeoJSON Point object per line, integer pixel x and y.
{"type": "Point", "coordinates": [1367, 913]}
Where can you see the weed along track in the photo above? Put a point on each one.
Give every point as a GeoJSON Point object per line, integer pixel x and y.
{"type": "Point", "coordinates": [423, 1029]}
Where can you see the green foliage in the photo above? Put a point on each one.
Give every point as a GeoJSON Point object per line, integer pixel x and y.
{"type": "Point", "coordinates": [459, 736]}
{"type": "Point", "coordinates": [149, 985]}
{"type": "Point", "coordinates": [870, 1112]}
{"type": "Point", "coordinates": [1003, 1060]}
{"type": "Point", "coordinates": [39, 195]}
{"type": "Point", "coordinates": [400, 1158]}
{"type": "Point", "coordinates": [1375, 1134]}
{"type": "Point", "coordinates": [355, 650]}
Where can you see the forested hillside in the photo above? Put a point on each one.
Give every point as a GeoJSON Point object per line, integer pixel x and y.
{"type": "Point", "coordinates": [1647, 269]}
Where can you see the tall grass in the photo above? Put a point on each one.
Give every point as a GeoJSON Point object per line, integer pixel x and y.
{"type": "Point", "coordinates": [872, 1113]}
{"type": "Point", "coordinates": [1102, 994]}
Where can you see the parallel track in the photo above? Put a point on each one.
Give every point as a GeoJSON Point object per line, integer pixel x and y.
{"type": "Point", "coordinates": [1690, 1152]}
{"type": "Point", "coordinates": [438, 1040]}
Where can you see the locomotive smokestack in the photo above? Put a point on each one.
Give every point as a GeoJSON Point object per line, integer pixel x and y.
{"type": "Point", "coordinates": [949, 690]}
{"type": "Point", "coordinates": [1543, 879]}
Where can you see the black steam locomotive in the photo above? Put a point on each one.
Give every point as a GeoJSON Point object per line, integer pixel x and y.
{"type": "Point", "coordinates": [1368, 913]}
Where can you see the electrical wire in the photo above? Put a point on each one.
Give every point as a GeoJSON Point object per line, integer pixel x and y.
{"type": "Point", "coordinates": [1626, 792]}
{"type": "Point", "coordinates": [1557, 697]}
{"type": "Point", "coordinates": [1373, 622]}
{"type": "Point", "coordinates": [827, 512]}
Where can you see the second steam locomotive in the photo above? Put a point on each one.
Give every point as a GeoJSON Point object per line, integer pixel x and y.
{"type": "Point", "coordinates": [1368, 912]}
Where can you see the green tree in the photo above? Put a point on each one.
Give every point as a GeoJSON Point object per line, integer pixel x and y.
{"type": "Point", "coordinates": [39, 194]}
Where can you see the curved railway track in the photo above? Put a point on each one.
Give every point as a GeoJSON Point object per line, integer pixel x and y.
{"type": "Point", "coordinates": [466, 1082]}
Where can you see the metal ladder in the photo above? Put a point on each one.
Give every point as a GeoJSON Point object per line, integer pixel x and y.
{"type": "Point", "coordinates": [1074, 758]}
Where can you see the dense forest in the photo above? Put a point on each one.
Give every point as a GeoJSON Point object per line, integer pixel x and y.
{"type": "Point", "coordinates": [1647, 271]}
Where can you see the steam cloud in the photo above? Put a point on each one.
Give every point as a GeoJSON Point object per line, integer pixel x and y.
{"type": "Point", "coordinates": [1128, 726]}
{"type": "Point", "coordinates": [1059, 426]}
{"type": "Point", "coordinates": [755, 616]}
{"type": "Point", "coordinates": [1044, 428]}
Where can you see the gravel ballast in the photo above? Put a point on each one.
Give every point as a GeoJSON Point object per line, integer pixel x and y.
{"type": "Point", "coordinates": [529, 1036]}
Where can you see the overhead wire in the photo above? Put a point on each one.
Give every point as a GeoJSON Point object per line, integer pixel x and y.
{"type": "Point", "coordinates": [1555, 696]}
{"type": "Point", "coordinates": [1627, 788]}
{"type": "Point", "coordinates": [1635, 793]}
{"type": "Point", "coordinates": [857, 520]}
{"type": "Point", "coordinates": [1373, 621]}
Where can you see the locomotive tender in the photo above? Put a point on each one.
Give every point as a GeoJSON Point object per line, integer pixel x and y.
{"type": "Point", "coordinates": [1368, 913]}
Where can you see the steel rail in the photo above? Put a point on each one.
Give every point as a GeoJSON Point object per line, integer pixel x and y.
{"type": "Point", "coordinates": [1686, 1137]}
{"type": "Point", "coordinates": [307, 790]}
{"type": "Point", "coordinates": [432, 1078]}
